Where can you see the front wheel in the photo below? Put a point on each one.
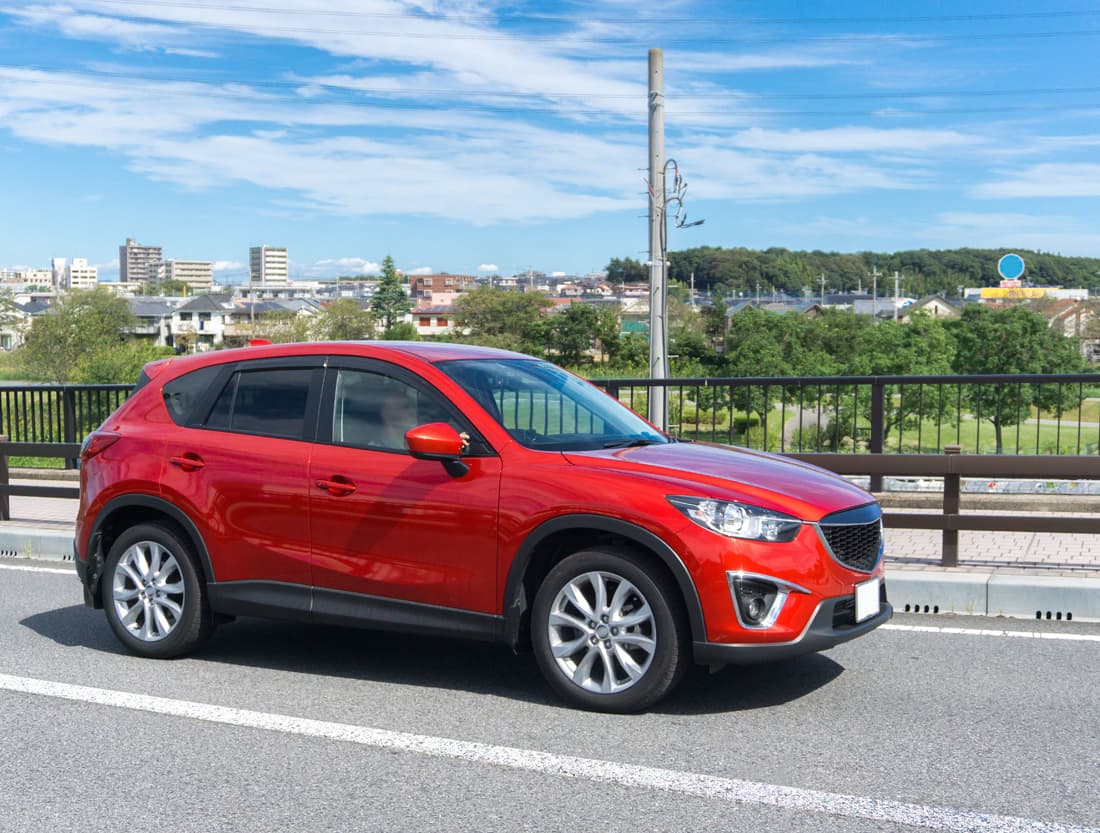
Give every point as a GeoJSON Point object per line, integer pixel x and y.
{"type": "Point", "coordinates": [607, 633]}
{"type": "Point", "coordinates": [152, 593]}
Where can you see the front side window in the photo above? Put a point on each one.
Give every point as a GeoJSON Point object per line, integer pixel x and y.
{"type": "Point", "coordinates": [545, 407]}
{"type": "Point", "coordinates": [373, 410]}
{"type": "Point", "coordinates": [269, 402]}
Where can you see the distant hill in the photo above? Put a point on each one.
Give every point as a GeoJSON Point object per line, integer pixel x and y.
{"type": "Point", "coordinates": [923, 271]}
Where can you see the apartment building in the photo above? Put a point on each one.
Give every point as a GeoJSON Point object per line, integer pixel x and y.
{"type": "Point", "coordinates": [423, 286]}
{"type": "Point", "coordinates": [79, 275]}
{"type": "Point", "coordinates": [137, 262]}
{"type": "Point", "coordinates": [268, 264]}
{"type": "Point", "coordinates": [197, 274]}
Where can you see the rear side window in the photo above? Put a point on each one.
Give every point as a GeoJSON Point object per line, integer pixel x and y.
{"type": "Point", "coordinates": [182, 395]}
{"type": "Point", "coordinates": [269, 402]}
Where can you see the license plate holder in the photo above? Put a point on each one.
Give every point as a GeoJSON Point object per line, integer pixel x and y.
{"type": "Point", "coordinates": [867, 599]}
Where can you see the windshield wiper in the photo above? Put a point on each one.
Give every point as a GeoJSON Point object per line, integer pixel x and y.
{"type": "Point", "coordinates": [630, 442]}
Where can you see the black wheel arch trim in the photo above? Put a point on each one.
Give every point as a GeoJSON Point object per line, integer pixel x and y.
{"type": "Point", "coordinates": [158, 504]}
{"type": "Point", "coordinates": [515, 601]}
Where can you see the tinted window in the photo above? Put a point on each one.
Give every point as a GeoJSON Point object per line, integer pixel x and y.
{"type": "Point", "coordinates": [271, 402]}
{"type": "Point", "coordinates": [183, 394]}
{"type": "Point", "coordinates": [373, 410]}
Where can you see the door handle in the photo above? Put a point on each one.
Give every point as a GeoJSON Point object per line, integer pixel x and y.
{"type": "Point", "coordinates": [337, 486]}
{"type": "Point", "coordinates": [187, 462]}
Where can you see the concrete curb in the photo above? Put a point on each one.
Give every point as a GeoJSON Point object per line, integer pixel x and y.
{"type": "Point", "coordinates": [990, 594]}
{"type": "Point", "coordinates": [37, 543]}
{"type": "Point", "coordinates": [911, 591]}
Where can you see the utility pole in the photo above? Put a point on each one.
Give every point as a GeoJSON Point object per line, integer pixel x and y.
{"type": "Point", "coordinates": [823, 290]}
{"type": "Point", "coordinates": [896, 295]}
{"type": "Point", "coordinates": [658, 334]}
{"type": "Point", "coordinates": [874, 293]}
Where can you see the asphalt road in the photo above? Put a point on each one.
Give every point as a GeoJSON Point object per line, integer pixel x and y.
{"type": "Point", "coordinates": [282, 727]}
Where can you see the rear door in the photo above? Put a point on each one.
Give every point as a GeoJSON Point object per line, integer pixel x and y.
{"type": "Point", "coordinates": [239, 468]}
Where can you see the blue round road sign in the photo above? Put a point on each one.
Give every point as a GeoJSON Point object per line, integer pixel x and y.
{"type": "Point", "coordinates": [1010, 267]}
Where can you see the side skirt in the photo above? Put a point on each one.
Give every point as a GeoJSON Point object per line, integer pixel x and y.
{"type": "Point", "coordinates": [276, 600]}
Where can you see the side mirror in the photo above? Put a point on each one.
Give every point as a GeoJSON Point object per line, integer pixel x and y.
{"type": "Point", "coordinates": [438, 441]}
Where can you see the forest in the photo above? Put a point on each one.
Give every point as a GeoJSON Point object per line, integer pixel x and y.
{"type": "Point", "coordinates": [739, 271]}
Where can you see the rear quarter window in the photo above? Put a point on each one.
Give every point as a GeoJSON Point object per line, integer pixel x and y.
{"type": "Point", "coordinates": [183, 395]}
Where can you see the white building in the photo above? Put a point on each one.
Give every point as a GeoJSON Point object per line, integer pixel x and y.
{"type": "Point", "coordinates": [197, 274]}
{"type": "Point", "coordinates": [79, 275]}
{"type": "Point", "coordinates": [268, 264]}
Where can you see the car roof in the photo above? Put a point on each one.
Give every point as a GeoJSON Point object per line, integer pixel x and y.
{"type": "Point", "coordinates": [428, 351]}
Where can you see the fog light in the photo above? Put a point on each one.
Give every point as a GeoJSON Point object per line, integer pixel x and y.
{"type": "Point", "coordinates": [758, 600]}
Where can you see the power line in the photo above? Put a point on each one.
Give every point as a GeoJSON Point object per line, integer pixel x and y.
{"type": "Point", "coordinates": [740, 95]}
{"type": "Point", "coordinates": [262, 29]}
{"type": "Point", "coordinates": [543, 16]}
{"type": "Point", "coordinates": [223, 93]}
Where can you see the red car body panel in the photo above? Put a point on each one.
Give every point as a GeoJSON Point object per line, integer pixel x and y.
{"type": "Point", "coordinates": [408, 530]}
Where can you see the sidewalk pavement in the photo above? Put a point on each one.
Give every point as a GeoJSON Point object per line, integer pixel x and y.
{"type": "Point", "coordinates": [1018, 574]}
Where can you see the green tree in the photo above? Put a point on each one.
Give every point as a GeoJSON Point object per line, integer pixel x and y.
{"type": "Point", "coordinates": [923, 347]}
{"type": "Point", "coordinates": [626, 270]}
{"type": "Point", "coordinates": [390, 302]}
{"type": "Point", "coordinates": [402, 331]}
{"type": "Point", "coordinates": [282, 327]}
{"type": "Point", "coordinates": [1013, 340]}
{"type": "Point", "coordinates": [342, 320]}
{"type": "Point", "coordinates": [82, 323]}
{"type": "Point", "coordinates": [503, 318]}
{"type": "Point", "coordinates": [118, 363]}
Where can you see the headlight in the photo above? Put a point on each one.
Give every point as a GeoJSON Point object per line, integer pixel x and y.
{"type": "Point", "coordinates": [738, 520]}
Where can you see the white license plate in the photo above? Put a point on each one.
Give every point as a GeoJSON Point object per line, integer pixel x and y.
{"type": "Point", "coordinates": [867, 604]}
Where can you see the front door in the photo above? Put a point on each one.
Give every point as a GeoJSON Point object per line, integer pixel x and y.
{"type": "Point", "coordinates": [386, 524]}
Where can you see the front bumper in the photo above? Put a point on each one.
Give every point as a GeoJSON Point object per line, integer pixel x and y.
{"type": "Point", "coordinates": [827, 628]}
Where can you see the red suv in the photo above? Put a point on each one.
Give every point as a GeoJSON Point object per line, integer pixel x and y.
{"type": "Point", "coordinates": [464, 491]}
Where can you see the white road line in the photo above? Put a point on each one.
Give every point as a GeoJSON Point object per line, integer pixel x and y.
{"type": "Point", "coordinates": [1065, 637]}
{"type": "Point", "coordinates": [22, 569]}
{"type": "Point", "coordinates": [608, 772]}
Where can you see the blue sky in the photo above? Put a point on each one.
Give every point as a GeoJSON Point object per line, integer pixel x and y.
{"type": "Point", "coordinates": [479, 136]}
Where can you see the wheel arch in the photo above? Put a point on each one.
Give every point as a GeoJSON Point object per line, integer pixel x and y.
{"type": "Point", "coordinates": [125, 511]}
{"type": "Point", "coordinates": [555, 539]}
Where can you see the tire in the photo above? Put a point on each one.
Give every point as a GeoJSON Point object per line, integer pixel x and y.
{"type": "Point", "coordinates": [607, 632]}
{"type": "Point", "coordinates": [153, 596]}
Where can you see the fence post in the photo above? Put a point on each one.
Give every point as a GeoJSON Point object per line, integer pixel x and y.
{"type": "Point", "coordinates": [878, 427]}
{"type": "Point", "coordinates": [951, 505]}
{"type": "Point", "coordinates": [5, 480]}
{"type": "Point", "coordinates": [68, 421]}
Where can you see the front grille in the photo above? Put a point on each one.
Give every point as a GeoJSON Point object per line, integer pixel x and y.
{"type": "Point", "coordinates": [854, 538]}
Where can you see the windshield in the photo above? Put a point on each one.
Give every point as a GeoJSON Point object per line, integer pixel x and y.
{"type": "Point", "coordinates": [550, 409]}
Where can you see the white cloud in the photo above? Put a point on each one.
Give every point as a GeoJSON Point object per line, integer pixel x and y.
{"type": "Point", "coordinates": [1045, 180]}
{"type": "Point", "coordinates": [422, 270]}
{"type": "Point", "coordinates": [851, 140]}
{"type": "Point", "coordinates": [488, 267]}
{"type": "Point", "coordinates": [359, 265]}
{"type": "Point", "coordinates": [227, 266]}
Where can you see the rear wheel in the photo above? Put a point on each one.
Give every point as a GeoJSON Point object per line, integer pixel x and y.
{"type": "Point", "coordinates": [152, 593]}
{"type": "Point", "coordinates": [607, 634]}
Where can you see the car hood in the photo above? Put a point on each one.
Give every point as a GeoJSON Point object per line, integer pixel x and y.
{"type": "Point", "coordinates": [721, 471]}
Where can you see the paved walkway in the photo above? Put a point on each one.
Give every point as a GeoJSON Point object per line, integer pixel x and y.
{"type": "Point", "coordinates": [1009, 553]}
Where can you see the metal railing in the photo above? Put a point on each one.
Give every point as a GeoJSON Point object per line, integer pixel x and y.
{"type": "Point", "coordinates": [1037, 414]}
{"type": "Point", "coordinates": [56, 413]}
{"type": "Point", "coordinates": [65, 451]}
{"type": "Point", "coordinates": [952, 466]}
